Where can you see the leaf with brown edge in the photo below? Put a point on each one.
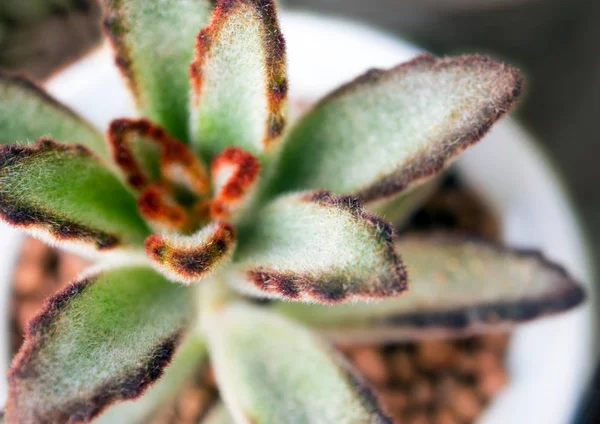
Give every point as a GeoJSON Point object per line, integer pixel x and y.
{"type": "Point", "coordinates": [235, 175]}
{"type": "Point", "coordinates": [316, 247]}
{"type": "Point", "coordinates": [147, 154]}
{"type": "Point", "coordinates": [239, 82]}
{"type": "Point", "coordinates": [459, 286]}
{"type": "Point", "coordinates": [188, 259]}
{"type": "Point", "coordinates": [27, 113]}
{"type": "Point", "coordinates": [272, 370]}
{"type": "Point", "coordinates": [103, 339]}
{"type": "Point", "coordinates": [66, 195]}
{"type": "Point", "coordinates": [189, 358]}
{"type": "Point", "coordinates": [390, 130]}
{"type": "Point", "coordinates": [154, 44]}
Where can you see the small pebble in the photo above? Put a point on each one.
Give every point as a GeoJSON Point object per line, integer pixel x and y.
{"type": "Point", "coordinates": [26, 310]}
{"type": "Point", "coordinates": [370, 362]}
{"type": "Point", "coordinates": [466, 404]}
{"type": "Point", "coordinates": [487, 361]}
{"type": "Point", "coordinates": [492, 382]}
{"type": "Point", "coordinates": [421, 394]}
{"type": "Point", "coordinates": [435, 354]}
{"type": "Point", "coordinates": [70, 266]}
{"type": "Point", "coordinates": [466, 364]}
{"type": "Point", "coordinates": [28, 278]}
{"type": "Point", "coordinates": [444, 416]}
{"type": "Point", "coordinates": [401, 366]}
{"type": "Point", "coordinates": [497, 342]}
{"type": "Point", "coordinates": [393, 401]}
{"type": "Point", "coordinates": [417, 417]}
{"type": "Point", "coordinates": [34, 251]}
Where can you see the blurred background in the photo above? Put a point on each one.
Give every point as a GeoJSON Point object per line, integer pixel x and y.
{"type": "Point", "coordinates": [554, 41]}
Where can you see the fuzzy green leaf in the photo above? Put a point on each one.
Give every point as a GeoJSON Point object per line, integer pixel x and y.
{"type": "Point", "coordinates": [458, 287]}
{"type": "Point", "coordinates": [317, 247]}
{"type": "Point", "coordinates": [271, 370]}
{"type": "Point", "coordinates": [103, 339]}
{"type": "Point", "coordinates": [239, 80]}
{"type": "Point", "coordinates": [154, 43]}
{"type": "Point", "coordinates": [65, 194]}
{"type": "Point", "coordinates": [389, 130]}
{"type": "Point", "coordinates": [189, 259]}
{"type": "Point", "coordinates": [189, 357]}
{"type": "Point", "coordinates": [27, 113]}
{"type": "Point", "coordinates": [218, 414]}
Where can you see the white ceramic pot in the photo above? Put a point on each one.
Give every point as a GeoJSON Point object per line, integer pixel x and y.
{"type": "Point", "coordinates": [549, 360]}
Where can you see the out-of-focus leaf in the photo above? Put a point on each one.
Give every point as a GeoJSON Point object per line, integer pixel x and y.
{"type": "Point", "coordinates": [239, 83]}
{"type": "Point", "coordinates": [316, 247]}
{"type": "Point", "coordinates": [65, 194]}
{"type": "Point", "coordinates": [272, 370]}
{"type": "Point", "coordinates": [390, 130]}
{"type": "Point", "coordinates": [103, 339]}
{"type": "Point", "coordinates": [154, 43]}
{"type": "Point", "coordinates": [458, 286]}
{"type": "Point", "coordinates": [27, 113]}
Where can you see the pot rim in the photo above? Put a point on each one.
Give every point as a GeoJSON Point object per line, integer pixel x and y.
{"type": "Point", "coordinates": [529, 197]}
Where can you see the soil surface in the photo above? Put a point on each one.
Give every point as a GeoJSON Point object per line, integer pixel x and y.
{"type": "Point", "coordinates": [437, 382]}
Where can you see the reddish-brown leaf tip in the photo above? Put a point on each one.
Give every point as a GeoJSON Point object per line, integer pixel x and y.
{"type": "Point", "coordinates": [189, 259]}
{"type": "Point", "coordinates": [155, 207]}
{"type": "Point", "coordinates": [177, 163]}
{"type": "Point", "coordinates": [235, 172]}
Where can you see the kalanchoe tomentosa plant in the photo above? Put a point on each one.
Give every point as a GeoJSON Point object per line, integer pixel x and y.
{"type": "Point", "coordinates": [210, 202]}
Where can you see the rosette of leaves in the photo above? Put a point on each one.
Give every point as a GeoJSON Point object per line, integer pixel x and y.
{"type": "Point", "coordinates": [211, 203]}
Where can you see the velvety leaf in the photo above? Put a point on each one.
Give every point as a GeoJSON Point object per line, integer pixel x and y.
{"type": "Point", "coordinates": [27, 113]}
{"type": "Point", "coordinates": [390, 130]}
{"type": "Point", "coordinates": [458, 286]}
{"type": "Point", "coordinates": [239, 83]}
{"type": "Point", "coordinates": [188, 359]}
{"type": "Point", "coordinates": [272, 370]}
{"type": "Point", "coordinates": [188, 259]}
{"type": "Point", "coordinates": [103, 339]}
{"type": "Point", "coordinates": [317, 247]}
{"type": "Point", "coordinates": [218, 414]}
{"type": "Point", "coordinates": [235, 175]}
{"type": "Point", "coordinates": [154, 43]}
{"type": "Point", "coordinates": [64, 194]}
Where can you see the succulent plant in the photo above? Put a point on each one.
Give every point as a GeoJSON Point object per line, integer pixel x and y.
{"type": "Point", "coordinates": [222, 231]}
